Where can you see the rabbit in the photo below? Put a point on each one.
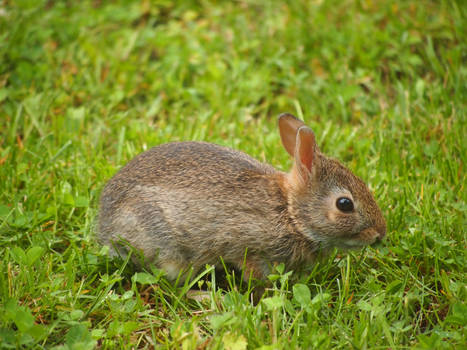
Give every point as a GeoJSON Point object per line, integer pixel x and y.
{"type": "Point", "coordinates": [187, 204]}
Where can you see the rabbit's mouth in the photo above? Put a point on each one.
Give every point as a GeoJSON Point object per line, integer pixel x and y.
{"type": "Point", "coordinates": [359, 240]}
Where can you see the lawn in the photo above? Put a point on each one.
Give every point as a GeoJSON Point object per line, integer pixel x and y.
{"type": "Point", "coordinates": [87, 85]}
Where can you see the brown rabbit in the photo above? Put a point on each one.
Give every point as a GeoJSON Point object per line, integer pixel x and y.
{"type": "Point", "coordinates": [185, 204]}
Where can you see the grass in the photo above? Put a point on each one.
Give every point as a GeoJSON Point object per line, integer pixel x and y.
{"type": "Point", "coordinates": [87, 85]}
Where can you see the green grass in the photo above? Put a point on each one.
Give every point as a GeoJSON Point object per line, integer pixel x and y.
{"type": "Point", "coordinates": [87, 85]}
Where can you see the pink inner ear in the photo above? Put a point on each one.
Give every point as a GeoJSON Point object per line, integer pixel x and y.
{"type": "Point", "coordinates": [307, 147]}
{"type": "Point", "coordinates": [306, 158]}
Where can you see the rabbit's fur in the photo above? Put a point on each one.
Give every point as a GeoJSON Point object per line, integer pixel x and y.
{"type": "Point", "coordinates": [186, 204]}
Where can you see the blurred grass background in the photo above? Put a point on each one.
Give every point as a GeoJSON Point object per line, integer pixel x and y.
{"type": "Point", "coordinates": [87, 85]}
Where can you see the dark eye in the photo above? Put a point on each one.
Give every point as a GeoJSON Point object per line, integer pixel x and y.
{"type": "Point", "coordinates": [344, 204]}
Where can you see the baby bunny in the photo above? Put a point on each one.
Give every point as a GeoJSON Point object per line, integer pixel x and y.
{"type": "Point", "coordinates": [186, 204]}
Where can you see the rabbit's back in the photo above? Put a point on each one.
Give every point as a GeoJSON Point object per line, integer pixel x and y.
{"type": "Point", "coordinates": [180, 163]}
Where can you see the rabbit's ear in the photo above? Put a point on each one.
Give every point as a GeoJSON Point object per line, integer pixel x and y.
{"type": "Point", "coordinates": [288, 128]}
{"type": "Point", "coordinates": [305, 157]}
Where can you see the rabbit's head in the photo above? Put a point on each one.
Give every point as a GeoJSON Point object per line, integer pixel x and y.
{"type": "Point", "coordinates": [327, 201]}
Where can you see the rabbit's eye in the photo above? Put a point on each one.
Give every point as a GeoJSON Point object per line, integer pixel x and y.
{"type": "Point", "coordinates": [344, 204]}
